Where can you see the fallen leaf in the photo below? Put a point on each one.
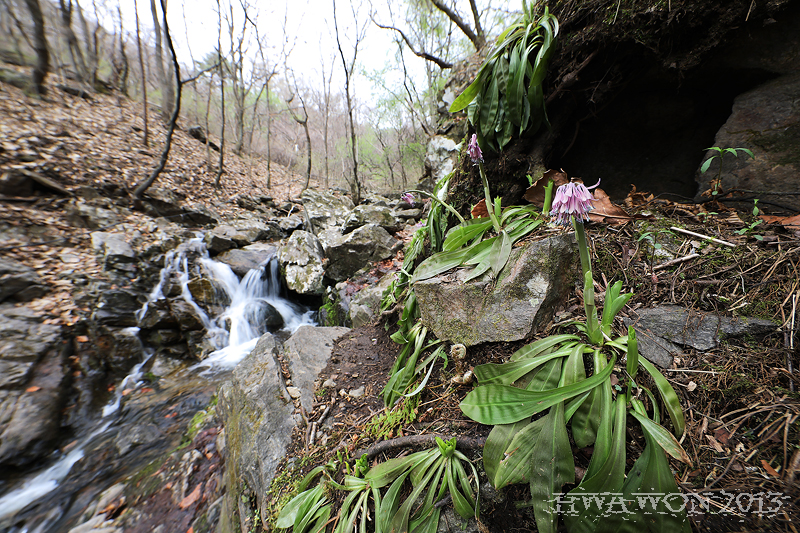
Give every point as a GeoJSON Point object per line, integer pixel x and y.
{"type": "Point", "coordinates": [190, 530]}
{"type": "Point", "coordinates": [722, 435]}
{"type": "Point", "coordinates": [33, 389]}
{"type": "Point", "coordinates": [605, 211]}
{"type": "Point", "coordinates": [691, 386]}
{"type": "Point", "coordinates": [790, 223]}
{"type": "Point", "coordinates": [480, 211]}
{"type": "Point", "coordinates": [191, 498]}
{"type": "Point", "coordinates": [82, 338]}
{"type": "Point", "coordinates": [771, 471]}
{"type": "Point", "coordinates": [715, 444]}
{"type": "Point", "coordinates": [535, 193]}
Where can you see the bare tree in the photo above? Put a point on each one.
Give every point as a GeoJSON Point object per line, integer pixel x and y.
{"type": "Point", "coordinates": [144, 74]}
{"type": "Point", "coordinates": [349, 69]}
{"type": "Point", "coordinates": [40, 45]}
{"type": "Point", "coordinates": [164, 81]}
{"type": "Point", "coordinates": [120, 63]}
{"type": "Point", "coordinates": [142, 187]}
{"type": "Point", "coordinates": [74, 48]}
{"type": "Point", "coordinates": [326, 115]}
{"type": "Point", "coordinates": [90, 44]}
{"type": "Point", "coordinates": [476, 36]}
{"type": "Point", "coordinates": [303, 121]}
{"type": "Point", "coordinates": [220, 165]}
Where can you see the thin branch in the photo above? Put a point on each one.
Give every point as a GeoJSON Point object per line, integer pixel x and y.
{"type": "Point", "coordinates": [196, 76]}
{"type": "Point", "coordinates": [478, 41]}
{"type": "Point", "coordinates": [424, 55]}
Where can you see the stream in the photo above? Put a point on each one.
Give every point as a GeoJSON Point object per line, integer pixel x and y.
{"type": "Point", "coordinates": [143, 420]}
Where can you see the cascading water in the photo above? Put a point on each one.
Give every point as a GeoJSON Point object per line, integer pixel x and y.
{"type": "Point", "coordinates": [256, 305]}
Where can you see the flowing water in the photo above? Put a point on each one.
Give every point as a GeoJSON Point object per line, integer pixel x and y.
{"type": "Point", "coordinates": [132, 430]}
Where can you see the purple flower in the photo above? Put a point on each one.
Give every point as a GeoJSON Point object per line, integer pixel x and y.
{"type": "Point", "coordinates": [572, 199]}
{"type": "Point", "coordinates": [474, 150]}
{"type": "Point", "coordinates": [408, 198]}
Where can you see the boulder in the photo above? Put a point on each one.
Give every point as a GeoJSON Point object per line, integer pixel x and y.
{"type": "Point", "coordinates": [366, 302]}
{"type": "Point", "coordinates": [19, 282]}
{"type": "Point", "coordinates": [117, 307]}
{"type": "Point", "coordinates": [668, 325]}
{"type": "Point", "coordinates": [347, 254]}
{"type": "Point", "coordinates": [24, 340]}
{"type": "Point", "coordinates": [83, 215]}
{"type": "Point", "coordinates": [32, 385]}
{"type": "Point", "coordinates": [301, 258]}
{"type": "Point", "coordinates": [380, 215]}
{"type": "Point", "coordinates": [326, 208]}
{"type": "Point", "coordinates": [242, 260]}
{"type": "Point", "coordinates": [765, 120]}
{"type": "Point", "coordinates": [161, 202]}
{"type": "Point", "coordinates": [307, 352]}
{"type": "Point", "coordinates": [290, 224]}
{"type": "Point", "coordinates": [119, 348]}
{"type": "Point", "coordinates": [534, 282]}
{"type": "Point", "coordinates": [114, 249]}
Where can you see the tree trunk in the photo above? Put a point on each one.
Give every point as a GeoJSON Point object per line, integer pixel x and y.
{"type": "Point", "coordinates": [40, 45]}
{"type": "Point", "coordinates": [72, 41]}
{"type": "Point", "coordinates": [140, 190]}
{"type": "Point", "coordinates": [90, 43]}
{"type": "Point", "coordinates": [220, 165]}
{"type": "Point", "coordinates": [144, 75]}
{"type": "Point", "coordinates": [167, 93]}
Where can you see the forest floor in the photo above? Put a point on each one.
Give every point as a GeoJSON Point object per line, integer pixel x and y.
{"type": "Point", "coordinates": [740, 399]}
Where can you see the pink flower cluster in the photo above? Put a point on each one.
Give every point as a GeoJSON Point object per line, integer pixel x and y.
{"type": "Point", "coordinates": [474, 150]}
{"type": "Point", "coordinates": [572, 199]}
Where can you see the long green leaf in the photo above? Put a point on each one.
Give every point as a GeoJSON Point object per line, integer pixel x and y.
{"type": "Point", "coordinates": [288, 515]}
{"type": "Point", "coordinates": [508, 373]}
{"type": "Point", "coordinates": [500, 252]}
{"type": "Point", "coordinates": [593, 496]}
{"type": "Point", "coordinates": [535, 348]}
{"type": "Point", "coordinates": [438, 263]}
{"type": "Point", "coordinates": [469, 94]}
{"type": "Point", "coordinates": [671, 401]}
{"type": "Point", "coordinates": [664, 438]}
{"type": "Point", "coordinates": [501, 404]}
{"type": "Point", "coordinates": [553, 466]}
{"type": "Point", "coordinates": [463, 233]}
{"type": "Point", "coordinates": [515, 466]}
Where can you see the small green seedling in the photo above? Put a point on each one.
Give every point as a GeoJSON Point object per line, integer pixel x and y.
{"type": "Point", "coordinates": [755, 223]}
{"type": "Point", "coordinates": [720, 153]}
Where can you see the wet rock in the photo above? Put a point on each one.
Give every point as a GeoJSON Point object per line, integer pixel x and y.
{"type": "Point", "coordinates": [136, 435]}
{"type": "Point", "coordinates": [114, 249]}
{"type": "Point", "coordinates": [301, 258]}
{"type": "Point", "coordinates": [347, 254]}
{"type": "Point", "coordinates": [117, 307]}
{"type": "Point", "coordinates": [536, 279]}
{"type": "Point", "coordinates": [326, 208]}
{"type": "Point", "coordinates": [157, 315]}
{"type": "Point", "coordinates": [242, 260]}
{"type": "Point", "coordinates": [119, 348]}
{"type": "Point", "coordinates": [19, 282]}
{"type": "Point", "coordinates": [307, 352]}
{"type": "Point", "coordinates": [767, 121]}
{"type": "Point", "coordinates": [24, 340]}
{"type": "Point", "coordinates": [371, 214]}
{"type": "Point", "coordinates": [701, 331]}
{"type": "Point", "coordinates": [207, 291]}
{"type": "Point", "coordinates": [30, 418]}
{"type": "Point", "coordinates": [185, 314]}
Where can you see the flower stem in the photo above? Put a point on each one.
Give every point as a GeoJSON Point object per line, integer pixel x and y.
{"type": "Point", "coordinates": [586, 264]}
{"type": "Point", "coordinates": [446, 205]}
{"type": "Point", "coordinates": [548, 196]}
{"type": "Point", "coordinates": [487, 196]}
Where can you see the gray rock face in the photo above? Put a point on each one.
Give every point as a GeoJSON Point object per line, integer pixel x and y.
{"type": "Point", "coordinates": [290, 223]}
{"type": "Point", "coordinates": [371, 214]}
{"type": "Point", "coordinates": [326, 208]}
{"type": "Point", "coordinates": [767, 121]}
{"type": "Point", "coordinates": [700, 331]}
{"type": "Point", "coordinates": [307, 351]}
{"type": "Point", "coordinates": [349, 253]}
{"type": "Point", "coordinates": [29, 357]}
{"type": "Point", "coordinates": [19, 282]}
{"type": "Point", "coordinates": [441, 157]}
{"type": "Point", "coordinates": [114, 248]}
{"type": "Point", "coordinates": [117, 307]}
{"type": "Point", "coordinates": [83, 215]}
{"type": "Point", "coordinates": [536, 279]}
{"type": "Point", "coordinates": [301, 258]}
{"type": "Point", "coordinates": [366, 302]}
{"type": "Point", "coordinates": [257, 418]}
{"type": "Point", "coordinates": [242, 260]}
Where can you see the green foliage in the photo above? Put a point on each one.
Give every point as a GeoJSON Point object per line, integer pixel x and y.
{"type": "Point", "coordinates": [506, 99]}
{"type": "Point", "coordinates": [433, 474]}
{"type": "Point", "coordinates": [385, 426]}
{"type": "Point", "coordinates": [752, 226]}
{"type": "Point", "coordinates": [720, 153]}
{"type": "Point", "coordinates": [550, 374]}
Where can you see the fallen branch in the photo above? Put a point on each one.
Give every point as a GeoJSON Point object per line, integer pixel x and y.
{"type": "Point", "coordinates": [462, 443]}
{"type": "Point", "coordinates": [676, 261]}
{"type": "Point", "coordinates": [701, 236]}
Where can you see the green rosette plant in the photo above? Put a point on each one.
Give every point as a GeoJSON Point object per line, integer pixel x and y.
{"type": "Point", "coordinates": [549, 376]}
{"type": "Point", "coordinates": [506, 98]}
